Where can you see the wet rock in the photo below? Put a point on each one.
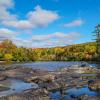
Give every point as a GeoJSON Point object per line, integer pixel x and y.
{"type": "Point", "coordinates": [3, 88]}
{"type": "Point", "coordinates": [47, 78]}
{"type": "Point", "coordinates": [24, 97]}
{"type": "Point", "coordinates": [82, 97]}
{"type": "Point", "coordinates": [86, 97]}
{"type": "Point", "coordinates": [2, 77]}
{"type": "Point", "coordinates": [83, 70]}
{"type": "Point", "coordinates": [75, 75]}
{"type": "Point", "coordinates": [38, 94]}
{"type": "Point", "coordinates": [83, 65]}
{"type": "Point", "coordinates": [94, 85]}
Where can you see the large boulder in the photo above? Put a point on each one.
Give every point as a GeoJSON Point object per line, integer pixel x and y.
{"type": "Point", "coordinates": [94, 85]}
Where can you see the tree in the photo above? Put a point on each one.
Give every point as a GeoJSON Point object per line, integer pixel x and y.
{"type": "Point", "coordinates": [8, 57]}
{"type": "Point", "coordinates": [97, 34]}
{"type": "Point", "coordinates": [8, 46]}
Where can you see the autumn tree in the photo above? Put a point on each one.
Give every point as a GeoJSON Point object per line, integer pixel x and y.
{"type": "Point", "coordinates": [8, 57]}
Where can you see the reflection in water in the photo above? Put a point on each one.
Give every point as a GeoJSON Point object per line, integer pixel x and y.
{"type": "Point", "coordinates": [83, 90]}
{"type": "Point", "coordinates": [17, 86]}
{"type": "Point", "coordinates": [72, 93]}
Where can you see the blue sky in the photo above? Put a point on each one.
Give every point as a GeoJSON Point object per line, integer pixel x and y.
{"type": "Point", "coordinates": [48, 23]}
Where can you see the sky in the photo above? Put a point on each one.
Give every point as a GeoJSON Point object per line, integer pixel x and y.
{"type": "Point", "coordinates": [48, 23]}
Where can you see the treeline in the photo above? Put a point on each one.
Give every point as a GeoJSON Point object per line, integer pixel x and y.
{"type": "Point", "coordinates": [79, 52]}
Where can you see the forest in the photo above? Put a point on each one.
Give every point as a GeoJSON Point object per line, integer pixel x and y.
{"type": "Point", "coordinates": [77, 52]}
{"type": "Point", "coordinates": [89, 51]}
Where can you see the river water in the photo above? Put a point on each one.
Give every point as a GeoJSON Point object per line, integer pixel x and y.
{"type": "Point", "coordinates": [17, 86]}
{"type": "Point", "coordinates": [54, 65]}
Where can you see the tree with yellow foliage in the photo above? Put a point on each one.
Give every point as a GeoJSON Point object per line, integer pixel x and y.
{"type": "Point", "coordinates": [8, 57]}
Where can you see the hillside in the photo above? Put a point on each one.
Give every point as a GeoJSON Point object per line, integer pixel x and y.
{"type": "Point", "coordinates": [85, 51]}
{"type": "Point", "coordinates": [77, 52]}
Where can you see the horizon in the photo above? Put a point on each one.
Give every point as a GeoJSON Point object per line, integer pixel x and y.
{"type": "Point", "coordinates": [34, 24]}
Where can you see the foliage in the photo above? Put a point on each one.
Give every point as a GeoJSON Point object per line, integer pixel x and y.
{"type": "Point", "coordinates": [8, 57]}
{"type": "Point", "coordinates": [97, 34]}
{"type": "Point", "coordinates": [79, 52]}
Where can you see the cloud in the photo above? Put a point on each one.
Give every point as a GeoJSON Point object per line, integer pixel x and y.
{"type": "Point", "coordinates": [55, 39]}
{"type": "Point", "coordinates": [37, 18]}
{"type": "Point", "coordinates": [37, 41]}
{"type": "Point", "coordinates": [41, 17]}
{"type": "Point", "coordinates": [5, 5]}
{"type": "Point", "coordinates": [18, 24]}
{"type": "Point", "coordinates": [74, 23]}
{"type": "Point", "coordinates": [7, 34]}
{"type": "Point", "coordinates": [22, 42]}
{"type": "Point", "coordinates": [56, 35]}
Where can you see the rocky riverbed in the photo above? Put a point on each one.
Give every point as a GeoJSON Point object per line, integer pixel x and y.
{"type": "Point", "coordinates": [50, 85]}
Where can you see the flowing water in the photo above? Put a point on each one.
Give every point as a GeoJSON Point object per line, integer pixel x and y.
{"type": "Point", "coordinates": [17, 86]}
{"type": "Point", "coordinates": [54, 65]}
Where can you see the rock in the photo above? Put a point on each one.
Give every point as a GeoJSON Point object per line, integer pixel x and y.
{"type": "Point", "coordinates": [94, 85]}
{"type": "Point", "coordinates": [38, 94]}
{"type": "Point", "coordinates": [75, 75]}
{"type": "Point", "coordinates": [82, 97]}
{"type": "Point", "coordinates": [84, 70]}
{"type": "Point", "coordinates": [3, 88]}
{"type": "Point", "coordinates": [2, 77]}
{"type": "Point", "coordinates": [24, 97]}
{"type": "Point", "coordinates": [83, 65]}
{"type": "Point", "coordinates": [86, 97]}
{"type": "Point", "coordinates": [48, 78]}
{"type": "Point", "coordinates": [74, 66]}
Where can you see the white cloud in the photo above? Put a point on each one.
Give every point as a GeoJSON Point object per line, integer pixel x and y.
{"type": "Point", "coordinates": [42, 17]}
{"type": "Point", "coordinates": [56, 35]}
{"type": "Point", "coordinates": [74, 23]}
{"type": "Point", "coordinates": [37, 18]}
{"type": "Point", "coordinates": [7, 34]}
{"type": "Point", "coordinates": [37, 41]}
{"type": "Point", "coordinates": [55, 39]}
{"type": "Point", "coordinates": [5, 5]}
{"type": "Point", "coordinates": [22, 42]}
{"type": "Point", "coordinates": [19, 24]}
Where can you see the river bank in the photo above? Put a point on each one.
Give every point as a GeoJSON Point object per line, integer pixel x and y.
{"type": "Point", "coordinates": [51, 85]}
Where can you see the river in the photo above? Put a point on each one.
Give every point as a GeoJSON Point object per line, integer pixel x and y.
{"type": "Point", "coordinates": [17, 86]}
{"type": "Point", "coordinates": [54, 65]}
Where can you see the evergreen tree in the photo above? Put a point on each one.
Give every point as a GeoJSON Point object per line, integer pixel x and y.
{"type": "Point", "coordinates": [97, 34]}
